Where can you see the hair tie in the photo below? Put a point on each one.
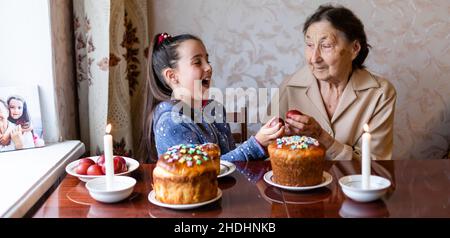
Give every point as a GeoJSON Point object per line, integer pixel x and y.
{"type": "Point", "coordinates": [164, 36]}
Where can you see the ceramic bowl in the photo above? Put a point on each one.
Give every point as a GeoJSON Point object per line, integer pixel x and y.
{"type": "Point", "coordinates": [122, 188]}
{"type": "Point", "coordinates": [352, 187]}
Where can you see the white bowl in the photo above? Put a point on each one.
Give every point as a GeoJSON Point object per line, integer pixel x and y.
{"type": "Point", "coordinates": [132, 165]}
{"type": "Point", "coordinates": [122, 188]}
{"type": "Point", "coordinates": [352, 187]}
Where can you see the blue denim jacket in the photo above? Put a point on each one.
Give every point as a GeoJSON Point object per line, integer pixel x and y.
{"type": "Point", "coordinates": [169, 132]}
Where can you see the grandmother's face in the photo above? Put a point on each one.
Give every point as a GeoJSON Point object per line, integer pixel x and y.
{"type": "Point", "coordinates": [328, 52]}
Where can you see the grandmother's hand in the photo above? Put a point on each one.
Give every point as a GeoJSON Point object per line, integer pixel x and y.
{"type": "Point", "coordinates": [5, 139]}
{"type": "Point", "coordinates": [303, 125]}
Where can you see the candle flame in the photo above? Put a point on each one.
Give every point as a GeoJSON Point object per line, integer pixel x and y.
{"type": "Point", "coordinates": [108, 128]}
{"type": "Point", "coordinates": [366, 128]}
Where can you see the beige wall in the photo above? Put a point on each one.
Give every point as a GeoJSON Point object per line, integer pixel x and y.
{"type": "Point", "coordinates": [257, 43]}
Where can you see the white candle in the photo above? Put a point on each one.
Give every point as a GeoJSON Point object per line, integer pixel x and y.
{"type": "Point", "coordinates": [109, 164]}
{"type": "Point", "coordinates": [366, 158]}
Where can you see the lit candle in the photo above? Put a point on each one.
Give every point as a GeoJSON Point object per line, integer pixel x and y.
{"type": "Point", "coordinates": [109, 164]}
{"type": "Point", "coordinates": [366, 158]}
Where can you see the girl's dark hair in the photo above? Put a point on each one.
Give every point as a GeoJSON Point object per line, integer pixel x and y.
{"type": "Point", "coordinates": [164, 54]}
{"type": "Point", "coordinates": [25, 118]}
{"type": "Point", "coordinates": [345, 21]}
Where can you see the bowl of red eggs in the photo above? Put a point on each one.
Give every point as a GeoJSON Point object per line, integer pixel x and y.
{"type": "Point", "coordinates": [94, 167]}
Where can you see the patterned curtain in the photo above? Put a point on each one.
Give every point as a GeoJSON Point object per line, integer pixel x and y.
{"type": "Point", "coordinates": [111, 40]}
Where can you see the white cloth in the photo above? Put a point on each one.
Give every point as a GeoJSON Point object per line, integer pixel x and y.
{"type": "Point", "coordinates": [9, 147]}
{"type": "Point", "coordinates": [27, 140]}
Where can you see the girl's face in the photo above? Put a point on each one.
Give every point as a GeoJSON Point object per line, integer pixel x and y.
{"type": "Point", "coordinates": [15, 108]}
{"type": "Point", "coordinates": [193, 72]}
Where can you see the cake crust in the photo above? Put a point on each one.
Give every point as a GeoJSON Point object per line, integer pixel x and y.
{"type": "Point", "coordinates": [187, 174]}
{"type": "Point", "coordinates": [297, 161]}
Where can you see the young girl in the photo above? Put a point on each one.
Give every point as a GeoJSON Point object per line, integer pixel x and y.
{"type": "Point", "coordinates": [15, 139]}
{"type": "Point", "coordinates": [18, 114]}
{"type": "Point", "coordinates": [180, 64]}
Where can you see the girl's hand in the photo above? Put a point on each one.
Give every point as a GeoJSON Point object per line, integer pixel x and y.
{"type": "Point", "coordinates": [16, 137]}
{"type": "Point", "coordinates": [27, 127]}
{"type": "Point", "coordinates": [268, 134]}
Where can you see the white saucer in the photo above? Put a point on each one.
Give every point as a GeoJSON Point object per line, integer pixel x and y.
{"type": "Point", "coordinates": [273, 194]}
{"type": "Point", "coordinates": [326, 179]}
{"type": "Point", "coordinates": [226, 168]}
{"type": "Point", "coordinates": [152, 199]}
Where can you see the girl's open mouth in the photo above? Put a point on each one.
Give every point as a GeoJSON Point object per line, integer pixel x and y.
{"type": "Point", "coordinates": [206, 82]}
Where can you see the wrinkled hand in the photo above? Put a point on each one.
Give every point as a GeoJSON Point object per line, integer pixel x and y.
{"type": "Point", "coordinates": [268, 134]}
{"type": "Point", "coordinates": [5, 139]}
{"type": "Point", "coordinates": [16, 137]}
{"type": "Point", "coordinates": [303, 125]}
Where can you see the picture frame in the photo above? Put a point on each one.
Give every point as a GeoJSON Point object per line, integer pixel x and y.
{"type": "Point", "coordinates": [20, 118]}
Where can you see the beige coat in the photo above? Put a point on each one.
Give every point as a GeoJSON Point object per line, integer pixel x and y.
{"type": "Point", "coordinates": [366, 99]}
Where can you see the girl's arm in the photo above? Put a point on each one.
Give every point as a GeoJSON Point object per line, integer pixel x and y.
{"type": "Point", "coordinates": [249, 150]}
{"type": "Point", "coordinates": [168, 133]}
{"type": "Point", "coordinates": [254, 147]}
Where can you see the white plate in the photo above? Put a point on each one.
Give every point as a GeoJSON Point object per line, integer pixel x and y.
{"type": "Point", "coordinates": [152, 199]}
{"type": "Point", "coordinates": [70, 168]}
{"type": "Point", "coordinates": [273, 194]}
{"type": "Point", "coordinates": [326, 179]}
{"type": "Point", "coordinates": [226, 168]}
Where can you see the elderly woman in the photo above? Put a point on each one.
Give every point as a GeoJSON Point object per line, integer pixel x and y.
{"type": "Point", "coordinates": [335, 93]}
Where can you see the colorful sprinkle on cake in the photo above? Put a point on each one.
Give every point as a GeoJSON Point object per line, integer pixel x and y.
{"type": "Point", "coordinates": [186, 153]}
{"type": "Point", "coordinates": [297, 142]}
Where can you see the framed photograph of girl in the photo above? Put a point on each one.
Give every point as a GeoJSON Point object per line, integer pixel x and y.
{"type": "Point", "coordinates": [20, 118]}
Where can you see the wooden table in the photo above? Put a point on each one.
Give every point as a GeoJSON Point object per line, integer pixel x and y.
{"type": "Point", "coordinates": [420, 188]}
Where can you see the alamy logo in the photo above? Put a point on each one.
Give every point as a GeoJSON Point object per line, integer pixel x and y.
{"type": "Point", "coordinates": [261, 103]}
